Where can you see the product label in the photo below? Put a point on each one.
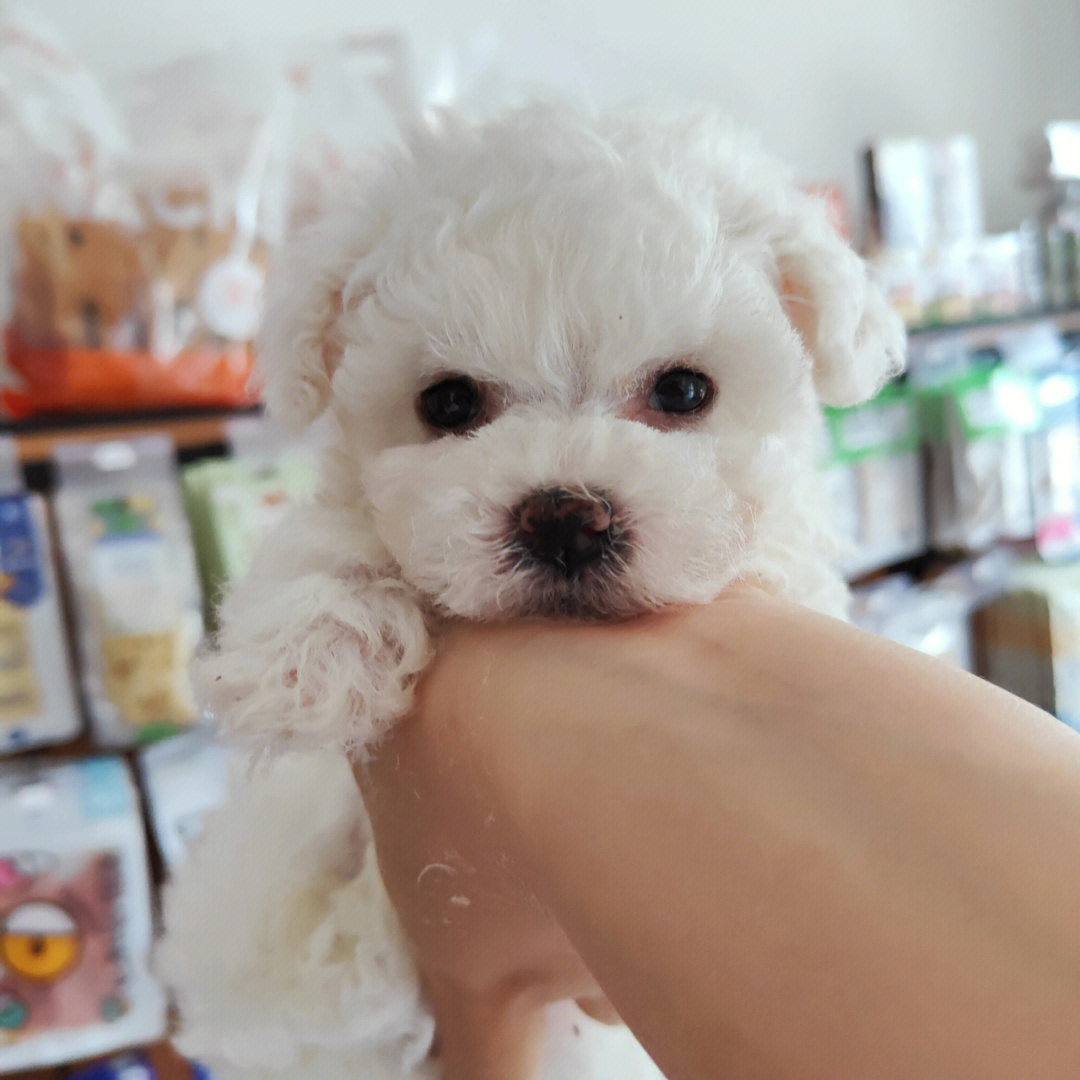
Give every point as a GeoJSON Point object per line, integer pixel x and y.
{"type": "Point", "coordinates": [60, 959]}
{"type": "Point", "coordinates": [140, 597]}
{"type": "Point", "coordinates": [996, 402]}
{"type": "Point", "coordinates": [20, 695]}
{"type": "Point", "coordinates": [104, 788]}
{"type": "Point", "coordinates": [131, 567]}
{"type": "Point", "coordinates": [230, 298]}
{"type": "Point", "coordinates": [21, 581]}
{"type": "Point", "coordinates": [886, 426]}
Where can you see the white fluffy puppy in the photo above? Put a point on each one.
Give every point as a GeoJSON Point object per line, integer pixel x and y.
{"type": "Point", "coordinates": [571, 368]}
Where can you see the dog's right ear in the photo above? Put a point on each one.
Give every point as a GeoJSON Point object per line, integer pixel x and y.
{"type": "Point", "coordinates": [313, 274]}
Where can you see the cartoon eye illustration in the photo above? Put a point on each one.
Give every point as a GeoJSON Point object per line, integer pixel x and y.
{"type": "Point", "coordinates": [39, 940]}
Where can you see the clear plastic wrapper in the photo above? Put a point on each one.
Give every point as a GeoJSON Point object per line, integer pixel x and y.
{"type": "Point", "coordinates": [932, 617]}
{"type": "Point", "coordinates": [75, 915]}
{"type": "Point", "coordinates": [184, 778]}
{"type": "Point", "coordinates": [351, 97]}
{"type": "Point", "coordinates": [1004, 447]}
{"type": "Point", "coordinates": [924, 192]}
{"type": "Point", "coordinates": [1054, 450]}
{"type": "Point", "coordinates": [1028, 637]}
{"type": "Point", "coordinates": [140, 217]}
{"type": "Point", "coordinates": [137, 604]}
{"type": "Point", "coordinates": [144, 213]}
{"type": "Point", "coordinates": [38, 703]}
{"type": "Point", "coordinates": [232, 503]}
{"type": "Point", "coordinates": [873, 472]}
{"type": "Point", "coordinates": [979, 487]}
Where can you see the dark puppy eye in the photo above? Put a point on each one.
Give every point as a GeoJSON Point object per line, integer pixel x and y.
{"type": "Point", "coordinates": [451, 404]}
{"type": "Point", "coordinates": [680, 391]}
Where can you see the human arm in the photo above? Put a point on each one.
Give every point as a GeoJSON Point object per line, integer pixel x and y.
{"type": "Point", "coordinates": [783, 847]}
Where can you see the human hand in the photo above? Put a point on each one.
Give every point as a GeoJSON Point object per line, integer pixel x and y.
{"type": "Point", "coordinates": [491, 952]}
{"type": "Point", "coordinates": [781, 846]}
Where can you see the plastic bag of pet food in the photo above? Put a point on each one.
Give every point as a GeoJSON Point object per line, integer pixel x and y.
{"type": "Point", "coordinates": [873, 472]}
{"type": "Point", "coordinates": [140, 240]}
{"type": "Point", "coordinates": [184, 778]}
{"type": "Point", "coordinates": [976, 425]}
{"type": "Point", "coordinates": [931, 617]}
{"type": "Point", "coordinates": [70, 272]}
{"type": "Point", "coordinates": [1038, 356]}
{"type": "Point", "coordinates": [135, 590]}
{"type": "Point", "coordinates": [38, 704]}
{"type": "Point", "coordinates": [1054, 453]}
{"type": "Point", "coordinates": [1028, 637]}
{"type": "Point", "coordinates": [232, 503]}
{"type": "Point", "coordinates": [937, 622]}
{"type": "Point", "coordinates": [211, 137]}
{"type": "Point", "coordinates": [75, 917]}
{"type": "Point", "coordinates": [352, 97]}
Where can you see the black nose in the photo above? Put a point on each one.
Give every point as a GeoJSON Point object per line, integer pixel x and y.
{"type": "Point", "coordinates": [564, 530]}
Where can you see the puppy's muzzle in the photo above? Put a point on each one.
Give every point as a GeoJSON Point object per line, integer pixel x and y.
{"type": "Point", "coordinates": [564, 531]}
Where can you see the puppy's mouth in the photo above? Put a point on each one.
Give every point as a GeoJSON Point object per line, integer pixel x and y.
{"type": "Point", "coordinates": [573, 548]}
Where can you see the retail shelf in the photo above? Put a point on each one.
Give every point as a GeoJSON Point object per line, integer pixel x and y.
{"type": "Point", "coordinates": [984, 333]}
{"type": "Point", "coordinates": [36, 438]}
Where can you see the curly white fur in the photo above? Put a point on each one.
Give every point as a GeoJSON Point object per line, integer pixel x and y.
{"type": "Point", "coordinates": [267, 951]}
{"type": "Point", "coordinates": [560, 262]}
{"type": "Point", "coordinates": [319, 644]}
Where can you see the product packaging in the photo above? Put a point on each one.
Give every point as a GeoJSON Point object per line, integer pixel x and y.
{"type": "Point", "coordinates": [1003, 271]}
{"type": "Point", "coordinates": [184, 778]}
{"type": "Point", "coordinates": [928, 245]}
{"type": "Point", "coordinates": [957, 195]}
{"type": "Point", "coordinates": [933, 617]}
{"type": "Point", "coordinates": [952, 283]}
{"type": "Point", "coordinates": [978, 477]}
{"type": "Point", "coordinates": [872, 468]}
{"type": "Point", "coordinates": [75, 916]}
{"type": "Point", "coordinates": [1028, 637]}
{"type": "Point", "coordinates": [137, 215]}
{"type": "Point", "coordinates": [123, 1067]}
{"type": "Point", "coordinates": [900, 274]}
{"type": "Point", "coordinates": [900, 183]}
{"type": "Point", "coordinates": [1054, 455]}
{"type": "Point", "coordinates": [232, 503]}
{"type": "Point", "coordinates": [353, 96]}
{"type": "Point", "coordinates": [1054, 166]}
{"type": "Point", "coordinates": [137, 605]}
{"type": "Point", "coordinates": [38, 703]}
{"type": "Point", "coordinates": [145, 211]}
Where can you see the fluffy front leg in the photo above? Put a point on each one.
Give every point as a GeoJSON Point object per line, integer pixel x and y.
{"type": "Point", "coordinates": [280, 944]}
{"type": "Point", "coordinates": [319, 645]}
{"type": "Point", "coordinates": [283, 951]}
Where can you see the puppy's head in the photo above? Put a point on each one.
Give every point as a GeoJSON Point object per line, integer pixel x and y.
{"type": "Point", "coordinates": [575, 366]}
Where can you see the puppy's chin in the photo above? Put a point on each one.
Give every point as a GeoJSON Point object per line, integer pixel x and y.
{"type": "Point", "coordinates": [592, 597]}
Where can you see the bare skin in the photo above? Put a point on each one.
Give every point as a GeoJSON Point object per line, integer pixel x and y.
{"type": "Point", "coordinates": [781, 847]}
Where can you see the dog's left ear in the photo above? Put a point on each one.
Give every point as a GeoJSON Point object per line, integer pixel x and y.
{"type": "Point", "coordinates": [855, 340]}
{"type": "Point", "coordinates": [318, 271]}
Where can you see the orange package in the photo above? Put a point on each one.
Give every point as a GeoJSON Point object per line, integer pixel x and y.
{"type": "Point", "coordinates": [112, 318]}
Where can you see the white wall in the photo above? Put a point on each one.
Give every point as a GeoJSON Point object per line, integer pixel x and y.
{"type": "Point", "coordinates": [816, 80]}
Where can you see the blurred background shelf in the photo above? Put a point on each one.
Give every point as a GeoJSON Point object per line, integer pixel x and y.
{"type": "Point", "coordinates": [984, 333]}
{"type": "Point", "coordinates": [191, 429]}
